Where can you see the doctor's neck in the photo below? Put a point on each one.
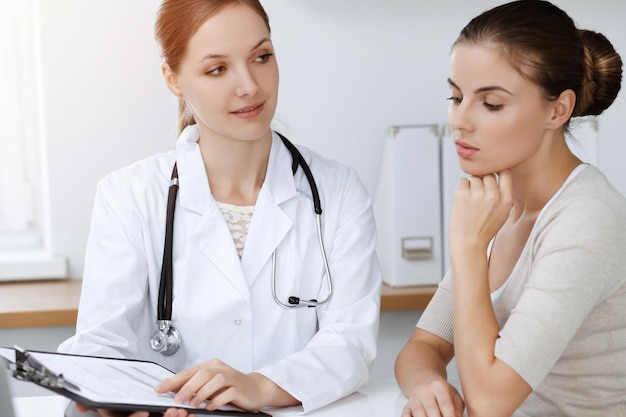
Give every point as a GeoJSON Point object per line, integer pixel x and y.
{"type": "Point", "coordinates": [235, 168]}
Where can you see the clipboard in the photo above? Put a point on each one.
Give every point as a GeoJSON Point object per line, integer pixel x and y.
{"type": "Point", "coordinates": [100, 382]}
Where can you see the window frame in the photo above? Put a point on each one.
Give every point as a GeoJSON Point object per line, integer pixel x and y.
{"type": "Point", "coordinates": [25, 239]}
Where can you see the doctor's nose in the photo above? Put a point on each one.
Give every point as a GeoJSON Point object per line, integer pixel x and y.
{"type": "Point", "coordinates": [246, 83]}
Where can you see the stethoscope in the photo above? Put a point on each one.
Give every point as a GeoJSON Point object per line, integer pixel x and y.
{"type": "Point", "coordinates": [167, 339]}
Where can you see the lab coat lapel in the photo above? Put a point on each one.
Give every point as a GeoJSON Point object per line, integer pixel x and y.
{"type": "Point", "coordinates": [203, 218]}
{"type": "Point", "coordinates": [214, 239]}
{"type": "Point", "coordinates": [273, 214]}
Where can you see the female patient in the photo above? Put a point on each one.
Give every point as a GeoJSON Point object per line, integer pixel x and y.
{"type": "Point", "coordinates": [534, 304]}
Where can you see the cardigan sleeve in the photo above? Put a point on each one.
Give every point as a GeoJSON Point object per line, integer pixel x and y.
{"type": "Point", "coordinates": [438, 318]}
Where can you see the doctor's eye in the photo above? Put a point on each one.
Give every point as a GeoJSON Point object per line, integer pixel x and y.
{"type": "Point", "coordinates": [216, 71]}
{"type": "Point", "coordinates": [455, 100]}
{"type": "Point", "coordinates": [264, 58]}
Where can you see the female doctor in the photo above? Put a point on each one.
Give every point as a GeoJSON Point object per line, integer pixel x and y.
{"type": "Point", "coordinates": [244, 238]}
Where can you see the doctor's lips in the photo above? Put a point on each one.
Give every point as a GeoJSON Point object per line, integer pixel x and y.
{"type": "Point", "coordinates": [248, 112]}
{"type": "Point", "coordinates": [464, 150]}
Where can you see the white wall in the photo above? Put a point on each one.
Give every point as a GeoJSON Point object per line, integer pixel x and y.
{"type": "Point", "coordinates": [105, 105]}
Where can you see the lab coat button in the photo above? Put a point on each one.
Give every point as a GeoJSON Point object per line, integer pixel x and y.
{"type": "Point", "coordinates": [237, 322]}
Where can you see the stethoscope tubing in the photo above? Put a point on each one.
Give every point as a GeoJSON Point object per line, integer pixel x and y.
{"type": "Point", "coordinates": [166, 286]}
{"type": "Point", "coordinates": [167, 339]}
{"type": "Point", "coordinates": [296, 301]}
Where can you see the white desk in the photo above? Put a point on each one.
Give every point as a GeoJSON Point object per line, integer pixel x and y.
{"type": "Point", "coordinates": [380, 398]}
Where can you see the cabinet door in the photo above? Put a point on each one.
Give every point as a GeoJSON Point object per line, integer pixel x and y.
{"type": "Point", "coordinates": [407, 207]}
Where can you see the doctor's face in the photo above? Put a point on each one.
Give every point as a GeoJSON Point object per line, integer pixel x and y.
{"type": "Point", "coordinates": [498, 118]}
{"type": "Point", "coordinates": [229, 75]}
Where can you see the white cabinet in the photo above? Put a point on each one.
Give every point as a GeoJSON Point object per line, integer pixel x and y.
{"type": "Point", "coordinates": [407, 206]}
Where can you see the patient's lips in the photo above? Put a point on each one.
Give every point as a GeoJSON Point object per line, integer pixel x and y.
{"type": "Point", "coordinates": [464, 150]}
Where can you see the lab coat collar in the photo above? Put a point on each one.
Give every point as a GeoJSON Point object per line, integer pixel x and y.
{"type": "Point", "coordinates": [272, 219]}
{"type": "Point", "coordinates": [270, 223]}
{"type": "Point", "coordinates": [194, 192]}
{"type": "Point", "coordinates": [279, 181]}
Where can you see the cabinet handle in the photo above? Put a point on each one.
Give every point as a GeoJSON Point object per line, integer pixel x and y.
{"type": "Point", "coordinates": [417, 248]}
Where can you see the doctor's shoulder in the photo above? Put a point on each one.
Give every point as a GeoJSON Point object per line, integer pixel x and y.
{"type": "Point", "coordinates": [148, 176]}
{"type": "Point", "coordinates": [335, 179]}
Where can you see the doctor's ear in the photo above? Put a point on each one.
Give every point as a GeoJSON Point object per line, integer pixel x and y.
{"type": "Point", "coordinates": [171, 79]}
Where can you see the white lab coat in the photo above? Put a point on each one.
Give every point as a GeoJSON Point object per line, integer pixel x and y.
{"type": "Point", "coordinates": [223, 305]}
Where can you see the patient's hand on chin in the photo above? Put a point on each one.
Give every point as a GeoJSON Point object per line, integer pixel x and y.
{"type": "Point", "coordinates": [172, 412]}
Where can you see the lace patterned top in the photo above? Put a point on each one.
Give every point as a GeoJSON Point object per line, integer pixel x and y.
{"type": "Point", "coordinates": [238, 219]}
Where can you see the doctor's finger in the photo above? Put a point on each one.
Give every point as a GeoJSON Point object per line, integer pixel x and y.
{"type": "Point", "coordinates": [213, 391]}
{"type": "Point", "coordinates": [207, 385]}
{"type": "Point", "coordinates": [232, 395]}
{"type": "Point", "coordinates": [176, 382]}
{"type": "Point", "coordinates": [201, 386]}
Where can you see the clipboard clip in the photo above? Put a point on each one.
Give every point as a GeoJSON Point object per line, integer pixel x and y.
{"type": "Point", "coordinates": [28, 368]}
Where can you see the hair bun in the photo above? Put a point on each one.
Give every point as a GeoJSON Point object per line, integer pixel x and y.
{"type": "Point", "coordinates": [603, 75]}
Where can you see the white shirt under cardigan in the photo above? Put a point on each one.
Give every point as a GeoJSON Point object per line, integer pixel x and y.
{"type": "Point", "coordinates": [562, 312]}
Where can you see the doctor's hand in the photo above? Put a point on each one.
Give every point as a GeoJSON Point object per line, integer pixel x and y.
{"type": "Point", "coordinates": [219, 384]}
{"type": "Point", "coordinates": [480, 207]}
{"type": "Point", "coordinates": [435, 399]}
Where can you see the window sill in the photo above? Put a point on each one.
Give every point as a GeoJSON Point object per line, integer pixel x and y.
{"type": "Point", "coordinates": [31, 265]}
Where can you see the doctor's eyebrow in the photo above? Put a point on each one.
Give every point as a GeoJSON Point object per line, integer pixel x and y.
{"type": "Point", "coordinates": [213, 56]}
{"type": "Point", "coordinates": [482, 89]}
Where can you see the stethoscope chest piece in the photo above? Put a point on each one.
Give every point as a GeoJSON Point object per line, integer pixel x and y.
{"type": "Point", "coordinates": [167, 339]}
